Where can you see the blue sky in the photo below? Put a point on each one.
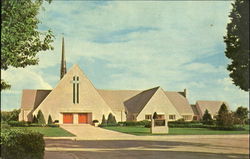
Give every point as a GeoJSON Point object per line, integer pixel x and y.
{"type": "Point", "coordinates": [135, 45]}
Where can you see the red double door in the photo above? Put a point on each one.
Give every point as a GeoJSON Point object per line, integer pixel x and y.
{"type": "Point", "coordinates": [83, 118]}
{"type": "Point", "coordinates": [68, 118]}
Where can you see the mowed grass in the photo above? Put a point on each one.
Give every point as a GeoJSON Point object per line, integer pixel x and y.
{"type": "Point", "coordinates": [48, 131]}
{"type": "Point", "coordinates": [138, 130]}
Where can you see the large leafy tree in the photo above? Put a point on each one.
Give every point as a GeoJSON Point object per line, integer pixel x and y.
{"type": "Point", "coordinates": [237, 44]}
{"type": "Point", "coordinates": [242, 114]}
{"type": "Point", "coordinates": [20, 38]}
{"type": "Point", "coordinates": [224, 118]}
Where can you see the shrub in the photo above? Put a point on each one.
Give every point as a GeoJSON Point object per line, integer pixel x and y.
{"type": "Point", "coordinates": [50, 120]}
{"type": "Point", "coordinates": [225, 118]}
{"type": "Point", "coordinates": [241, 114]}
{"type": "Point", "coordinates": [104, 122]}
{"type": "Point", "coordinates": [10, 115]}
{"type": "Point", "coordinates": [155, 115]}
{"type": "Point", "coordinates": [135, 123]}
{"type": "Point", "coordinates": [111, 120]}
{"type": "Point", "coordinates": [5, 126]}
{"type": "Point", "coordinates": [34, 119]}
{"type": "Point", "coordinates": [40, 117]}
{"type": "Point", "coordinates": [52, 125]}
{"type": "Point", "coordinates": [183, 124]}
{"type": "Point", "coordinates": [95, 121]}
{"type": "Point", "coordinates": [20, 144]}
{"type": "Point", "coordinates": [148, 125]}
{"type": "Point", "coordinates": [17, 123]}
{"type": "Point", "coordinates": [207, 118]}
{"type": "Point", "coordinates": [36, 125]}
{"type": "Point", "coordinates": [130, 123]}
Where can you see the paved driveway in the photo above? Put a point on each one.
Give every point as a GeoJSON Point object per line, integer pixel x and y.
{"type": "Point", "coordinates": [88, 132]}
{"type": "Point", "coordinates": [157, 147]}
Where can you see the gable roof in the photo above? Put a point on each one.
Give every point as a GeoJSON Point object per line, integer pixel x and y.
{"type": "Point", "coordinates": [88, 99]}
{"type": "Point", "coordinates": [212, 106]}
{"type": "Point", "coordinates": [180, 102]}
{"type": "Point", "coordinates": [32, 98]}
{"type": "Point", "coordinates": [115, 98]}
{"type": "Point", "coordinates": [137, 103]}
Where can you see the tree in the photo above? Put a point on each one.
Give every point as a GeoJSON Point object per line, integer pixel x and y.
{"type": "Point", "coordinates": [10, 115]}
{"type": "Point", "coordinates": [20, 38]}
{"type": "Point", "coordinates": [237, 44]}
{"type": "Point", "coordinates": [155, 115]}
{"type": "Point", "coordinates": [40, 117]}
{"type": "Point", "coordinates": [207, 118]}
{"type": "Point", "coordinates": [34, 119]}
{"type": "Point", "coordinates": [224, 118]}
{"type": "Point", "coordinates": [104, 121]}
{"type": "Point", "coordinates": [242, 114]}
{"type": "Point", "coordinates": [50, 120]}
{"type": "Point", "coordinates": [111, 119]}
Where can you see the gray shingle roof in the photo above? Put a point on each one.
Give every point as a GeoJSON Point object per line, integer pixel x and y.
{"type": "Point", "coordinates": [137, 103]}
{"type": "Point", "coordinates": [115, 98]}
{"type": "Point", "coordinates": [180, 102]}
{"type": "Point", "coordinates": [212, 106]}
{"type": "Point", "coordinates": [32, 98]}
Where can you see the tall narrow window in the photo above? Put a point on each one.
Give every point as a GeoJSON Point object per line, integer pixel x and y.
{"type": "Point", "coordinates": [77, 89]}
{"type": "Point", "coordinates": [74, 89]}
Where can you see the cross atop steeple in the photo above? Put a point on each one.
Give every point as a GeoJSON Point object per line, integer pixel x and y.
{"type": "Point", "coordinates": [63, 62]}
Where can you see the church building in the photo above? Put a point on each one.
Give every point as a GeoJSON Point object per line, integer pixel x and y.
{"type": "Point", "coordinates": [75, 100]}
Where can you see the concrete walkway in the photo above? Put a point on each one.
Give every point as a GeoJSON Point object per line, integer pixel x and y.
{"type": "Point", "coordinates": [89, 132]}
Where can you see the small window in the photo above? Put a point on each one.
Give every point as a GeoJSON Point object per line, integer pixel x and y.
{"type": "Point", "coordinates": [195, 118]}
{"type": "Point", "coordinates": [172, 117]}
{"type": "Point", "coordinates": [160, 116]}
{"type": "Point", "coordinates": [148, 117]}
{"type": "Point", "coordinates": [186, 117]}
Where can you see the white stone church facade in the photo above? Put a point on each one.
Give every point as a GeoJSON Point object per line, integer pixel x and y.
{"type": "Point", "coordinates": [75, 100]}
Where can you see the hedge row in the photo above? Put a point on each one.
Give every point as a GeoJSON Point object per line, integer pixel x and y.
{"type": "Point", "coordinates": [135, 123]}
{"type": "Point", "coordinates": [185, 124]}
{"type": "Point", "coordinates": [29, 124]}
{"type": "Point", "coordinates": [20, 144]}
{"type": "Point", "coordinates": [144, 123]}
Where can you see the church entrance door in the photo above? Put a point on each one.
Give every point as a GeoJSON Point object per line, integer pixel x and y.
{"type": "Point", "coordinates": [68, 118]}
{"type": "Point", "coordinates": [83, 118]}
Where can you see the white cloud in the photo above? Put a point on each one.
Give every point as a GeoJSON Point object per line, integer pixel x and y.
{"type": "Point", "coordinates": [183, 32]}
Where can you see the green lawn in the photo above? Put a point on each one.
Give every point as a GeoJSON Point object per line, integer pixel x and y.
{"type": "Point", "coordinates": [137, 130]}
{"type": "Point", "coordinates": [48, 131]}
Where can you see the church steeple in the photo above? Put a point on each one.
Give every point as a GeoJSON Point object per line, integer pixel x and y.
{"type": "Point", "coordinates": [63, 62]}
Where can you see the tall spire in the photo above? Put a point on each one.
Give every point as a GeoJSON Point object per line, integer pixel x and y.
{"type": "Point", "coordinates": [63, 62]}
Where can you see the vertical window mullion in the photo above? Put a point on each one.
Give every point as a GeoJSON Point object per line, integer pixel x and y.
{"type": "Point", "coordinates": [74, 89]}
{"type": "Point", "coordinates": [77, 93]}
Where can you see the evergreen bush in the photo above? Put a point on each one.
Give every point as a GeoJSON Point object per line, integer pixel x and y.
{"type": "Point", "coordinates": [111, 120]}
{"type": "Point", "coordinates": [104, 121]}
{"type": "Point", "coordinates": [21, 144]}
{"type": "Point", "coordinates": [50, 120]}
{"type": "Point", "coordinates": [34, 120]}
{"type": "Point", "coordinates": [207, 118]}
{"type": "Point", "coordinates": [40, 117]}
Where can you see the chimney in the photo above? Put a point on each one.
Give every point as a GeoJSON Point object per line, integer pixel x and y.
{"type": "Point", "coordinates": [185, 92]}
